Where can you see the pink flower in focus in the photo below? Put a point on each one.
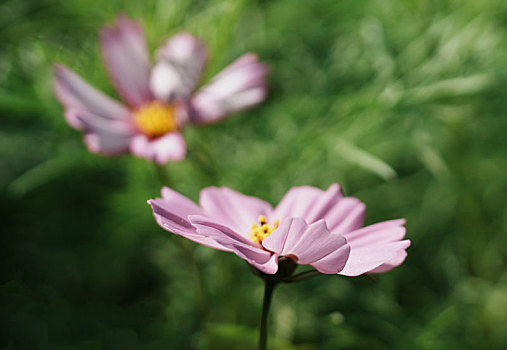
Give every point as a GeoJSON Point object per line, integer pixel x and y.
{"type": "Point", "coordinates": [323, 229]}
{"type": "Point", "coordinates": [159, 100]}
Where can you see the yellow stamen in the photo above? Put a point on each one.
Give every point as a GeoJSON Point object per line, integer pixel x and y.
{"type": "Point", "coordinates": [155, 119]}
{"type": "Point", "coordinates": [260, 231]}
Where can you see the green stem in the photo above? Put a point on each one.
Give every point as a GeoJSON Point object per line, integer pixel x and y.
{"type": "Point", "coordinates": [187, 251]}
{"type": "Point", "coordinates": [268, 293]}
{"type": "Point", "coordinates": [198, 276]}
{"type": "Point", "coordinates": [202, 161]}
{"type": "Point", "coordinates": [163, 175]}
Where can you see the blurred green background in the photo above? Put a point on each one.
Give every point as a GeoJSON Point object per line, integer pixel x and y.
{"type": "Point", "coordinates": [403, 102]}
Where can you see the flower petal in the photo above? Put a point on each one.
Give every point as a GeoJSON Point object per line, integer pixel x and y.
{"type": "Point", "coordinates": [376, 248]}
{"type": "Point", "coordinates": [324, 205]}
{"type": "Point", "coordinates": [391, 264]}
{"type": "Point", "coordinates": [126, 56]}
{"type": "Point", "coordinates": [171, 213]}
{"type": "Point", "coordinates": [73, 92]}
{"type": "Point", "coordinates": [245, 249]}
{"type": "Point", "coordinates": [309, 244]}
{"type": "Point", "coordinates": [368, 258]}
{"type": "Point", "coordinates": [232, 208]}
{"type": "Point", "coordinates": [240, 85]}
{"type": "Point", "coordinates": [174, 209]}
{"type": "Point", "coordinates": [170, 147]}
{"type": "Point", "coordinates": [270, 266]}
{"type": "Point", "coordinates": [309, 203]}
{"type": "Point", "coordinates": [382, 232]}
{"type": "Point", "coordinates": [347, 215]}
{"type": "Point", "coordinates": [221, 233]}
{"type": "Point", "coordinates": [180, 63]}
{"type": "Point", "coordinates": [298, 202]}
{"type": "Point", "coordinates": [277, 240]}
{"type": "Point", "coordinates": [334, 262]}
{"type": "Point", "coordinates": [342, 214]}
{"type": "Point", "coordinates": [102, 135]}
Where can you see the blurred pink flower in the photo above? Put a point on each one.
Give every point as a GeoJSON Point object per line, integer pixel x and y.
{"type": "Point", "coordinates": [159, 100]}
{"type": "Point", "coordinates": [323, 229]}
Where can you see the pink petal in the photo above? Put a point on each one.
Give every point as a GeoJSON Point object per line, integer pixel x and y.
{"type": "Point", "coordinates": [308, 243]}
{"type": "Point", "coordinates": [233, 208]}
{"type": "Point", "coordinates": [298, 202]}
{"type": "Point", "coordinates": [334, 262]}
{"type": "Point", "coordinates": [342, 214]}
{"type": "Point", "coordinates": [219, 231]}
{"type": "Point", "coordinates": [368, 258]}
{"type": "Point", "coordinates": [241, 85]}
{"type": "Point", "coordinates": [325, 204]}
{"type": "Point", "coordinates": [170, 147]}
{"type": "Point", "coordinates": [245, 249]}
{"type": "Point", "coordinates": [382, 232]}
{"type": "Point", "coordinates": [126, 56]}
{"type": "Point", "coordinates": [310, 203]}
{"type": "Point", "coordinates": [74, 92]}
{"type": "Point", "coordinates": [171, 213]}
{"type": "Point", "coordinates": [180, 63]}
{"type": "Point", "coordinates": [391, 264]}
{"type": "Point", "coordinates": [102, 135]}
{"type": "Point", "coordinates": [270, 266]}
{"type": "Point", "coordinates": [376, 248]}
{"type": "Point", "coordinates": [347, 215]}
{"type": "Point", "coordinates": [275, 242]}
{"type": "Point", "coordinates": [174, 209]}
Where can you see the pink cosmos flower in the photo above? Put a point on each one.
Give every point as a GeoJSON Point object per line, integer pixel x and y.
{"type": "Point", "coordinates": [323, 229]}
{"type": "Point", "coordinates": [159, 100]}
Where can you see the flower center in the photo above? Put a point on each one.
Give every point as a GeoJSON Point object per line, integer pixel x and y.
{"type": "Point", "coordinates": [260, 231]}
{"type": "Point", "coordinates": [155, 119]}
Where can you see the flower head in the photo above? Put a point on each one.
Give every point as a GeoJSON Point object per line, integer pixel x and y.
{"type": "Point", "coordinates": [309, 226]}
{"type": "Point", "coordinates": [159, 100]}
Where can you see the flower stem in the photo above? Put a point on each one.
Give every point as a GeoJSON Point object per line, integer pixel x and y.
{"type": "Point", "coordinates": [188, 252]}
{"type": "Point", "coordinates": [268, 293]}
{"type": "Point", "coordinates": [163, 175]}
{"type": "Point", "coordinates": [189, 255]}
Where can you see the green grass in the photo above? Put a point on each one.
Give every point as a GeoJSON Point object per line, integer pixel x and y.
{"type": "Point", "coordinates": [402, 102]}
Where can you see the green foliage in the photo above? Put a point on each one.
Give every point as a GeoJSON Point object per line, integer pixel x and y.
{"type": "Point", "coordinates": [402, 102]}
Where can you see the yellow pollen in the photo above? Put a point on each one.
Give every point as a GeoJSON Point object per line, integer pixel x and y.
{"type": "Point", "coordinates": [260, 231]}
{"type": "Point", "coordinates": [155, 119]}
